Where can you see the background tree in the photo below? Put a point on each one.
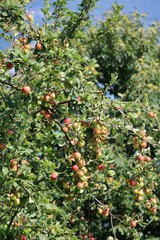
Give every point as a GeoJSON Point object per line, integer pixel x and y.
{"type": "Point", "coordinates": [130, 50]}
{"type": "Point", "coordinates": [74, 163]}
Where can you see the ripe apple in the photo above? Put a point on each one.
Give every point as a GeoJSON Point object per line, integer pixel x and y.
{"type": "Point", "coordinates": [2, 146]}
{"type": "Point", "coordinates": [39, 46]}
{"type": "Point", "coordinates": [76, 155]}
{"type": "Point", "coordinates": [54, 176]}
{"type": "Point", "coordinates": [10, 132]}
{"type": "Point", "coordinates": [9, 65]}
{"type": "Point", "coordinates": [150, 114]}
{"type": "Point", "coordinates": [132, 183]}
{"type": "Point", "coordinates": [105, 212]}
{"type": "Point", "coordinates": [23, 237]}
{"type": "Point", "coordinates": [140, 158]}
{"type": "Point", "coordinates": [133, 223]}
{"type": "Point", "coordinates": [47, 115]}
{"type": "Point", "coordinates": [46, 97]}
{"type": "Point", "coordinates": [96, 131]}
{"type": "Point", "coordinates": [101, 167]}
{"type": "Point", "coordinates": [56, 61]}
{"type": "Point", "coordinates": [26, 89]}
{"type": "Point", "coordinates": [80, 185]}
{"type": "Point", "coordinates": [147, 159]}
{"type": "Point", "coordinates": [29, 17]}
{"type": "Point", "coordinates": [143, 145]}
{"type": "Point", "coordinates": [75, 168]}
{"type": "Point", "coordinates": [67, 121]}
{"type": "Point", "coordinates": [65, 129]}
{"type": "Point", "coordinates": [23, 40]}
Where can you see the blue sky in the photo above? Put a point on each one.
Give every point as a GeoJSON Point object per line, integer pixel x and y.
{"type": "Point", "coordinates": [151, 7]}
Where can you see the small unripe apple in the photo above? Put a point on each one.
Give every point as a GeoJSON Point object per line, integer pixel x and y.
{"type": "Point", "coordinates": [39, 46]}
{"type": "Point", "coordinates": [52, 95]}
{"type": "Point", "coordinates": [81, 163]}
{"type": "Point", "coordinates": [43, 112]}
{"type": "Point", "coordinates": [153, 210]}
{"type": "Point", "coordinates": [54, 176]}
{"type": "Point", "coordinates": [133, 223]}
{"type": "Point", "coordinates": [56, 61]}
{"type": "Point", "coordinates": [9, 65]}
{"type": "Point", "coordinates": [150, 114]}
{"type": "Point", "coordinates": [80, 173]}
{"type": "Point", "coordinates": [154, 200]}
{"type": "Point", "coordinates": [26, 89]}
{"type": "Point", "coordinates": [75, 168]}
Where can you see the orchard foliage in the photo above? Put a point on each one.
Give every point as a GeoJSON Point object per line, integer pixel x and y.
{"type": "Point", "coordinates": [74, 163]}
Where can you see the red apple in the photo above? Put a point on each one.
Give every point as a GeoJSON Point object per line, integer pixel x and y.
{"type": "Point", "coordinates": [26, 89]}
{"type": "Point", "coordinates": [105, 212]}
{"type": "Point", "coordinates": [46, 97]}
{"type": "Point", "coordinates": [10, 132]}
{"type": "Point", "coordinates": [150, 114]}
{"type": "Point", "coordinates": [96, 131]}
{"type": "Point", "coordinates": [101, 167]}
{"type": "Point", "coordinates": [133, 223]}
{"type": "Point", "coordinates": [9, 65]}
{"type": "Point", "coordinates": [54, 176]}
{"type": "Point", "coordinates": [80, 185]}
{"type": "Point", "coordinates": [47, 115]}
{"type": "Point", "coordinates": [23, 237]}
{"type": "Point", "coordinates": [75, 168]}
{"type": "Point", "coordinates": [2, 146]}
{"type": "Point", "coordinates": [140, 158]}
{"type": "Point", "coordinates": [147, 159]}
{"type": "Point", "coordinates": [143, 145]}
{"type": "Point", "coordinates": [132, 183]}
{"type": "Point", "coordinates": [39, 46]}
{"type": "Point", "coordinates": [65, 129]}
{"type": "Point", "coordinates": [29, 17]}
{"type": "Point", "coordinates": [67, 120]}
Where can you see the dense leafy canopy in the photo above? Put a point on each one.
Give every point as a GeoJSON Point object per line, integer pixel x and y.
{"type": "Point", "coordinates": [74, 163]}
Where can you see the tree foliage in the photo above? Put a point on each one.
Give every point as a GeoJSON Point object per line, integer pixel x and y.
{"type": "Point", "coordinates": [74, 163]}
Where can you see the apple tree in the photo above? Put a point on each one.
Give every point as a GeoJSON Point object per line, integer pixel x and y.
{"type": "Point", "coordinates": [74, 163]}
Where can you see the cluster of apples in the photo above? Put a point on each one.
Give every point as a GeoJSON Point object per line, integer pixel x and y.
{"type": "Point", "coordinates": [49, 97]}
